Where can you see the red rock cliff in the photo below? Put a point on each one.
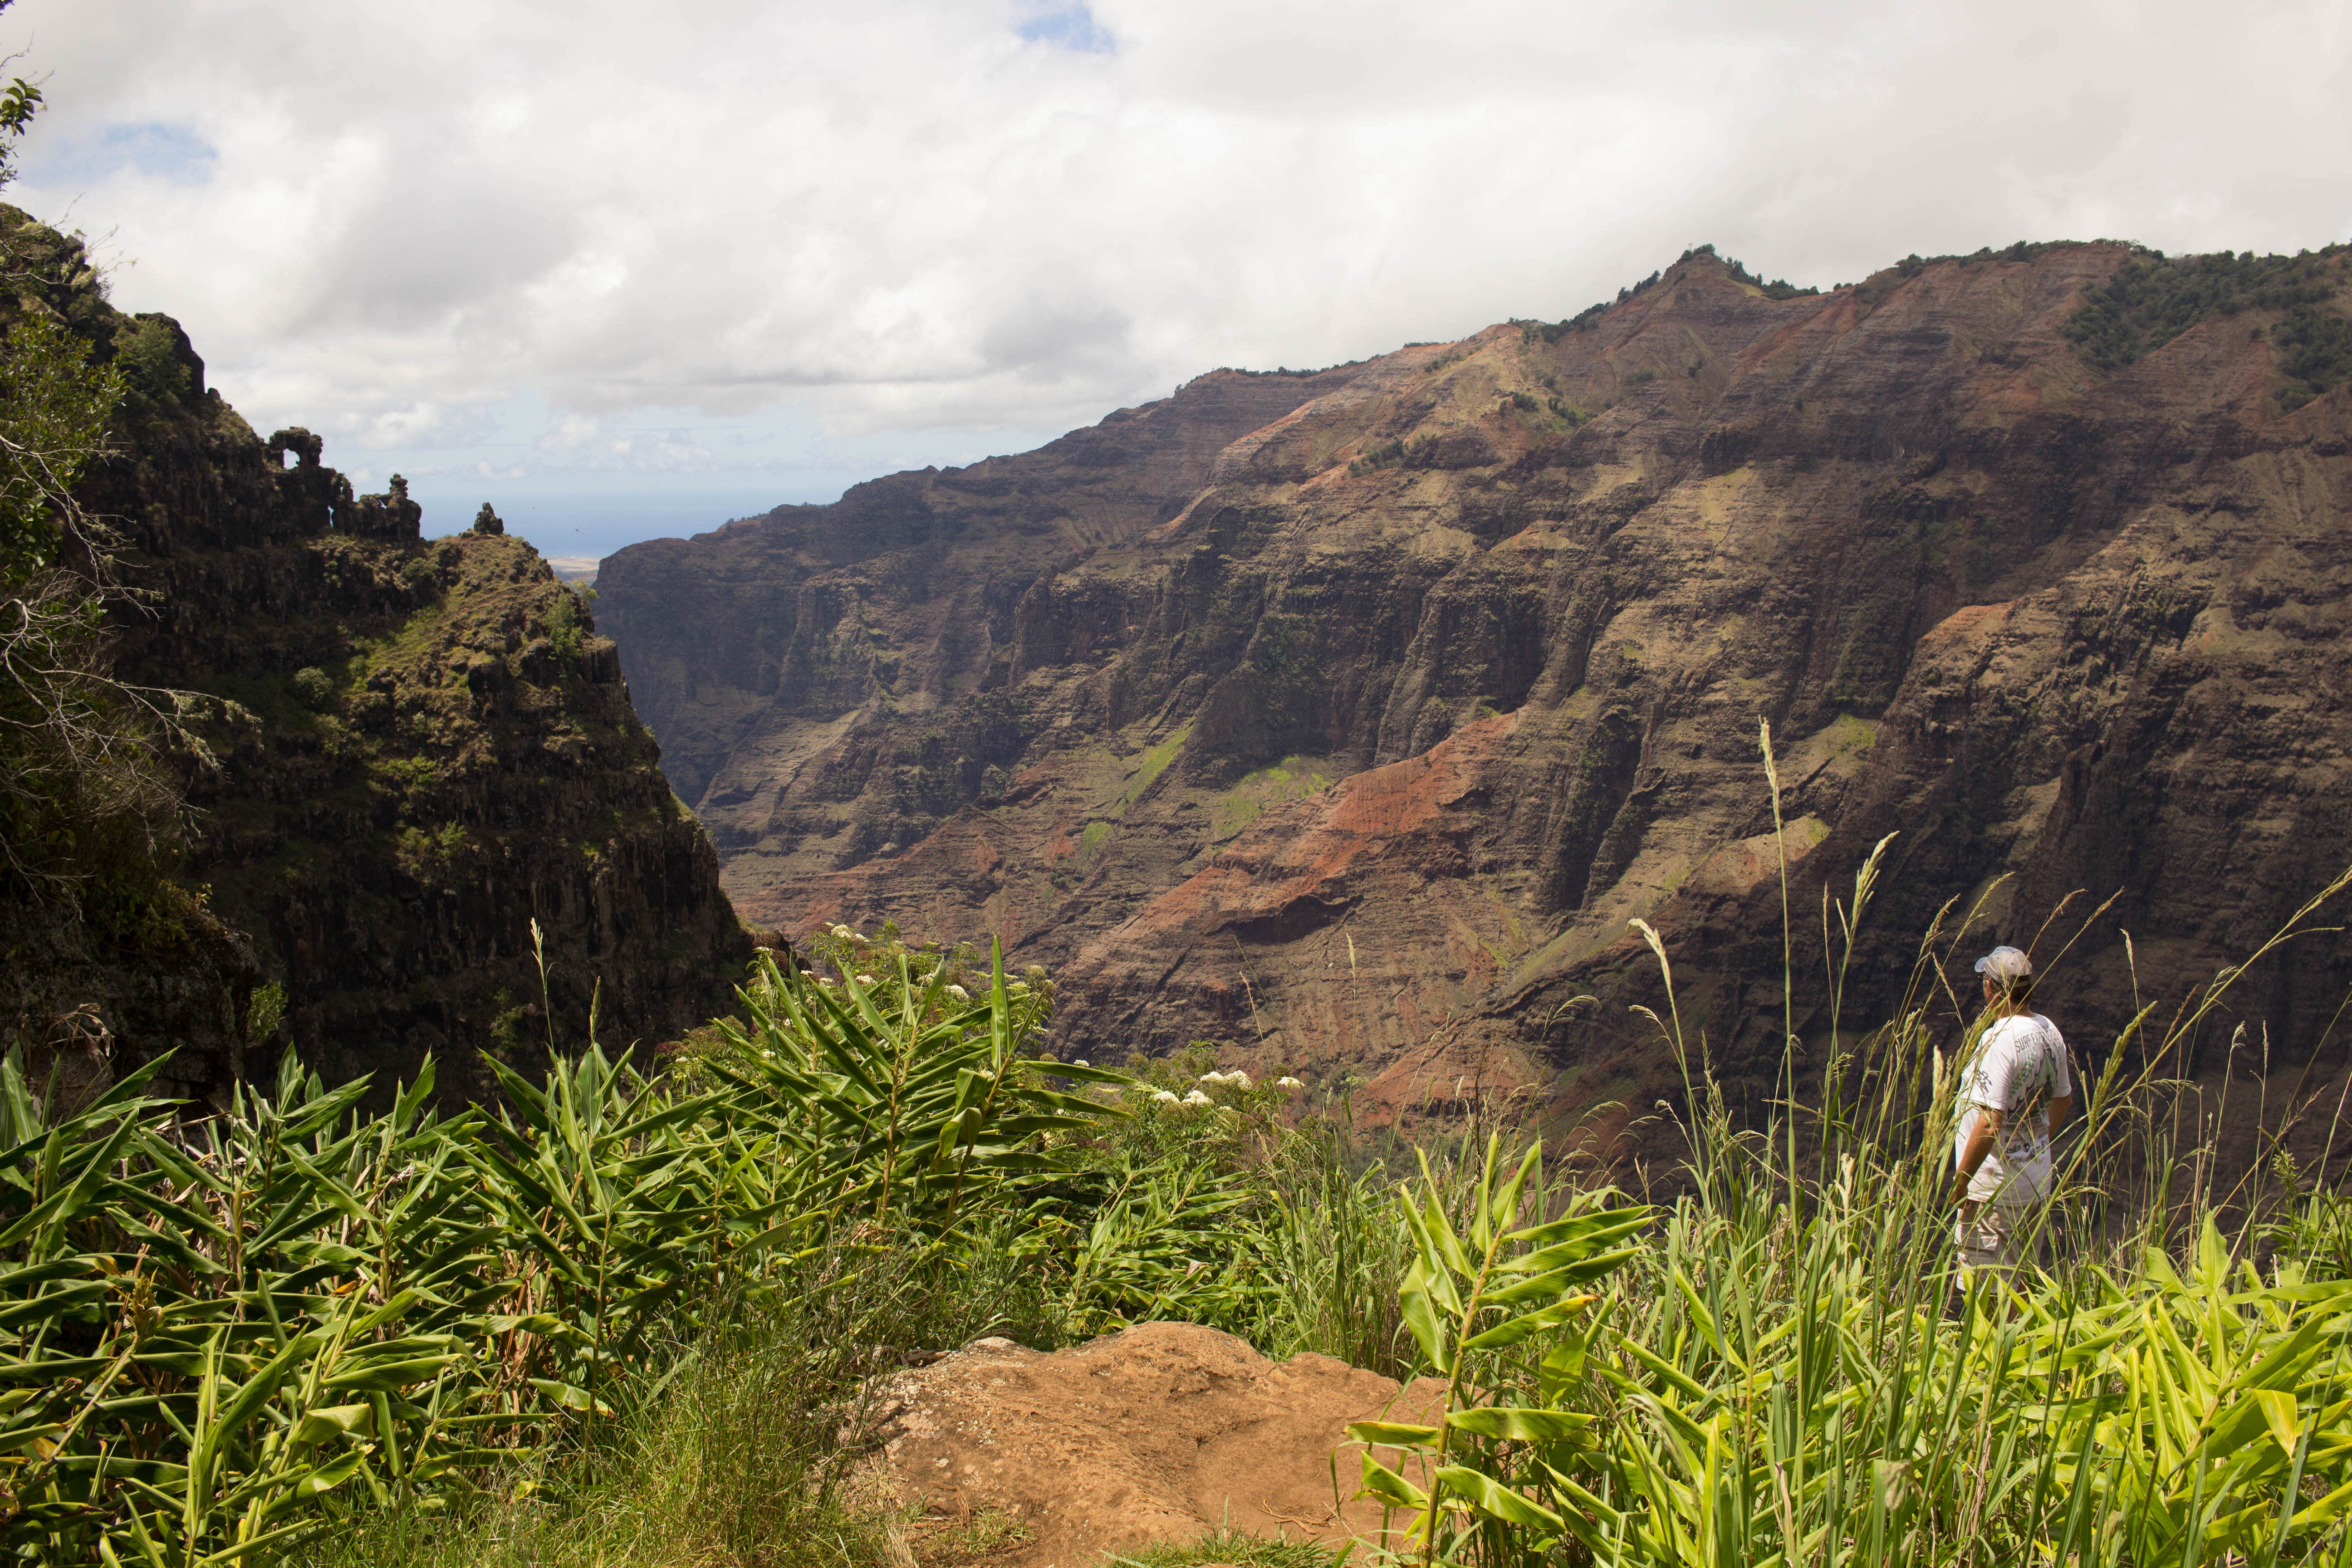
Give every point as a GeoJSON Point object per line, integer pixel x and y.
{"type": "Point", "coordinates": [1347, 719]}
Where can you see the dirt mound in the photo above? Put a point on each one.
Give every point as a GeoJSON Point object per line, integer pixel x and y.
{"type": "Point", "coordinates": [1154, 1434]}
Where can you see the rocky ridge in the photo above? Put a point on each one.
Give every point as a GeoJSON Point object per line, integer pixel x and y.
{"type": "Point", "coordinates": [1347, 719]}
{"type": "Point", "coordinates": [409, 748]}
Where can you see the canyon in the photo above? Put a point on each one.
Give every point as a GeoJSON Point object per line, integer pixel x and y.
{"type": "Point", "coordinates": [1344, 720]}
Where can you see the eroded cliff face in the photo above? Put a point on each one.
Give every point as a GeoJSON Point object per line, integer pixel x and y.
{"type": "Point", "coordinates": [1348, 720]}
{"type": "Point", "coordinates": [410, 749]}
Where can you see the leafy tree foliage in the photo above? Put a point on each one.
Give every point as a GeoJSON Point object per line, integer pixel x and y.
{"type": "Point", "coordinates": [2315, 353]}
{"type": "Point", "coordinates": [2153, 300]}
{"type": "Point", "coordinates": [85, 806]}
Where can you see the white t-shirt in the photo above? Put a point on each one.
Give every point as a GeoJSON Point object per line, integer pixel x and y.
{"type": "Point", "coordinates": [2018, 1068]}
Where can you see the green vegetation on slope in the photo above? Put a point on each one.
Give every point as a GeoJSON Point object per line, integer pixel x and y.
{"type": "Point", "coordinates": [1553, 331]}
{"type": "Point", "coordinates": [1261, 790]}
{"type": "Point", "coordinates": [1154, 763]}
{"type": "Point", "coordinates": [88, 814]}
{"type": "Point", "coordinates": [2152, 299]}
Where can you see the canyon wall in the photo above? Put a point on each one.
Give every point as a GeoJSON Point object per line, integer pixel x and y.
{"type": "Point", "coordinates": [1347, 718]}
{"type": "Point", "coordinates": [399, 753]}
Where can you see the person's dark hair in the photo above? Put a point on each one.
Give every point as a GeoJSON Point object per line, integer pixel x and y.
{"type": "Point", "coordinates": [2014, 993]}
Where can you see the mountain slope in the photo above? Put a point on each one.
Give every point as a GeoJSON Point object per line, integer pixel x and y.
{"type": "Point", "coordinates": [1358, 743]}
{"type": "Point", "coordinates": [409, 748]}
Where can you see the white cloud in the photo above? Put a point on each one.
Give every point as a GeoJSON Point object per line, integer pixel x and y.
{"type": "Point", "coordinates": [740, 238]}
{"type": "Point", "coordinates": [570, 433]}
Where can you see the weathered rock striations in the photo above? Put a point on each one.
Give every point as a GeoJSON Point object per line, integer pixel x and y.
{"type": "Point", "coordinates": [417, 747]}
{"type": "Point", "coordinates": [1348, 719]}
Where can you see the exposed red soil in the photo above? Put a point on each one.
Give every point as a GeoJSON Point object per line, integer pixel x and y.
{"type": "Point", "coordinates": [1158, 1433]}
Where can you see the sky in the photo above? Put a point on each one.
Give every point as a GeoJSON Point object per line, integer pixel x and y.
{"type": "Point", "coordinates": [629, 270]}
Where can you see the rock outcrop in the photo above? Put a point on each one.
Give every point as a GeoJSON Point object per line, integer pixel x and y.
{"type": "Point", "coordinates": [409, 750]}
{"type": "Point", "coordinates": [1347, 719]}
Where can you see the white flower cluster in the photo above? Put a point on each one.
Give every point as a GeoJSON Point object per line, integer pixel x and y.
{"type": "Point", "coordinates": [1287, 1081]}
{"type": "Point", "coordinates": [959, 993]}
{"type": "Point", "coordinates": [1236, 1079]}
{"type": "Point", "coordinates": [843, 934]}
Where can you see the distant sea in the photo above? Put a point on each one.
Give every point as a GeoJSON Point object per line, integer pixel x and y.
{"type": "Point", "coordinates": [576, 529]}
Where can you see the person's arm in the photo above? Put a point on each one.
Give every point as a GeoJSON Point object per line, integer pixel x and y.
{"type": "Point", "coordinates": [1980, 1141]}
{"type": "Point", "coordinates": [2061, 1106]}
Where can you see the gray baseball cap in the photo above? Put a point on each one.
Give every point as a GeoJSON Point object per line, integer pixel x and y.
{"type": "Point", "coordinates": [2004, 965]}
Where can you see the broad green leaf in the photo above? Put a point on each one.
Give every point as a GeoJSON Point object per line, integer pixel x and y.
{"type": "Point", "coordinates": [333, 1421]}
{"type": "Point", "coordinates": [1382, 1482]}
{"type": "Point", "coordinates": [1493, 1498]}
{"type": "Point", "coordinates": [569, 1397]}
{"type": "Point", "coordinates": [1421, 1317]}
{"type": "Point", "coordinates": [1518, 1423]}
{"type": "Point", "coordinates": [1518, 1329]}
{"type": "Point", "coordinates": [334, 1473]}
{"type": "Point", "coordinates": [2279, 1411]}
{"type": "Point", "coordinates": [1390, 1434]}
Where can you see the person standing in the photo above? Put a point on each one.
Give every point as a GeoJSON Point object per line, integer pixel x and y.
{"type": "Point", "coordinates": [2011, 1097]}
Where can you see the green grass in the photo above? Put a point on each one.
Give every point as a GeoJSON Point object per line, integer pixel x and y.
{"type": "Point", "coordinates": [1261, 790]}
{"type": "Point", "coordinates": [735, 1464]}
{"type": "Point", "coordinates": [1850, 734]}
{"type": "Point", "coordinates": [1155, 761]}
{"type": "Point", "coordinates": [399, 647]}
{"type": "Point", "coordinates": [1233, 1547]}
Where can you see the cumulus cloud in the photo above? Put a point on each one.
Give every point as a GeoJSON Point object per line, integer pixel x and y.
{"type": "Point", "coordinates": [734, 237]}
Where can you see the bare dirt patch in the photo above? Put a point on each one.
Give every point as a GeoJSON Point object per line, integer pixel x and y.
{"type": "Point", "coordinates": [1158, 1433]}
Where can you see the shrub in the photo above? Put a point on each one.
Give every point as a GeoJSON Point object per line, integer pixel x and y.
{"type": "Point", "coordinates": [628, 1319]}
{"type": "Point", "coordinates": [265, 1012]}
{"type": "Point", "coordinates": [2152, 299]}
{"type": "Point", "coordinates": [87, 810]}
{"type": "Point", "coordinates": [2314, 354]}
{"type": "Point", "coordinates": [1778, 289]}
{"type": "Point", "coordinates": [566, 627]}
